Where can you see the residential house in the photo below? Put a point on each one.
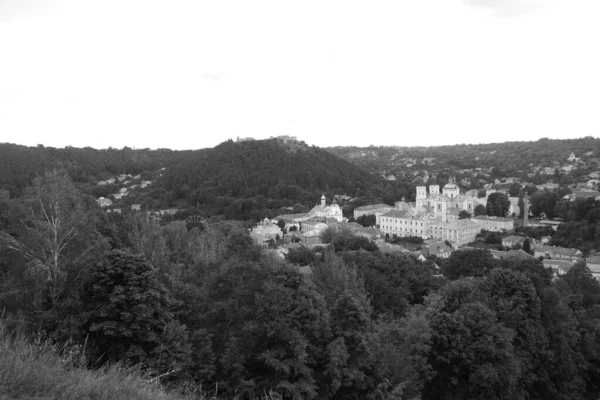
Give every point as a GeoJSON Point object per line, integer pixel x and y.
{"type": "Point", "coordinates": [557, 253]}
{"type": "Point", "coordinates": [558, 267]}
{"type": "Point", "coordinates": [103, 202]}
{"type": "Point", "coordinates": [511, 254]}
{"type": "Point", "coordinates": [438, 249]}
{"type": "Point", "coordinates": [512, 241]}
{"type": "Point", "coordinates": [593, 263]}
{"type": "Point", "coordinates": [494, 224]}
{"type": "Point", "coordinates": [136, 207]}
{"type": "Point", "coordinates": [311, 238]}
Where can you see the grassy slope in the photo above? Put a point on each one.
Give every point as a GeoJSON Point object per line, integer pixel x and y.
{"type": "Point", "coordinates": [37, 371]}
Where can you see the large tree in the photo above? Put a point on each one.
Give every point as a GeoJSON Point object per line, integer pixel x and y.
{"type": "Point", "coordinates": [52, 231]}
{"type": "Point", "coordinates": [497, 205]}
{"type": "Point", "coordinates": [131, 316]}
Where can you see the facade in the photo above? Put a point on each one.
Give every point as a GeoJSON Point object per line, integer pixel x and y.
{"type": "Point", "coordinates": [494, 224]}
{"type": "Point", "coordinates": [407, 223]}
{"type": "Point", "coordinates": [459, 233]}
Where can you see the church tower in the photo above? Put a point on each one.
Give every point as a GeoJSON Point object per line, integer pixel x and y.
{"type": "Point", "coordinates": [434, 189]}
{"type": "Point", "coordinates": [323, 200]}
{"type": "Point", "coordinates": [525, 209]}
{"type": "Point", "coordinates": [421, 195]}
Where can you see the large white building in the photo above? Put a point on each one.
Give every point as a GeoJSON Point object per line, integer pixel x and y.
{"type": "Point", "coordinates": [450, 201]}
{"type": "Point", "coordinates": [435, 215]}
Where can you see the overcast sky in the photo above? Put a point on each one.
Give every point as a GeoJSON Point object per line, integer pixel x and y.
{"type": "Point", "coordinates": [191, 74]}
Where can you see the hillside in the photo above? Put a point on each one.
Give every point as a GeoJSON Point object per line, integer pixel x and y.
{"type": "Point", "coordinates": [240, 180]}
{"type": "Point", "coordinates": [474, 165]}
{"type": "Point", "coordinates": [254, 178]}
{"type": "Point", "coordinates": [20, 164]}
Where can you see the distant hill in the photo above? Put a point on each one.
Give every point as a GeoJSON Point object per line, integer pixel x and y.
{"type": "Point", "coordinates": [254, 178]}
{"type": "Point", "coordinates": [20, 164]}
{"type": "Point", "coordinates": [240, 180]}
{"type": "Point", "coordinates": [494, 160]}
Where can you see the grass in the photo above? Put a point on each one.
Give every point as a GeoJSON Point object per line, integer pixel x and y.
{"type": "Point", "coordinates": [40, 370]}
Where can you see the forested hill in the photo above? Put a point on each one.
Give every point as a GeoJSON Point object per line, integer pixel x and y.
{"type": "Point", "coordinates": [20, 164]}
{"type": "Point", "coordinates": [239, 180]}
{"type": "Point", "coordinates": [509, 157]}
{"type": "Point", "coordinates": [251, 178]}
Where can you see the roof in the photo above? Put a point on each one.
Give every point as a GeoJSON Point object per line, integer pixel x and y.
{"type": "Point", "coordinates": [395, 213]}
{"type": "Point", "coordinates": [557, 250]}
{"type": "Point", "coordinates": [372, 207]}
{"type": "Point", "coordinates": [503, 255]}
{"type": "Point", "coordinates": [437, 248]}
{"type": "Point", "coordinates": [318, 209]}
{"type": "Point", "coordinates": [563, 265]}
{"type": "Point", "coordinates": [516, 239]}
{"type": "Point", "coordinates": [290, 216]}
{"type": "Point", "coordinates": [462, 224]}
{"type": "Point", "coordinates": [593, 260]}
{"type": "Point", "coordinates": [488, 218]}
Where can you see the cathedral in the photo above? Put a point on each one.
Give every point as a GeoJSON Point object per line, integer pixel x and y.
{"type": "Point", "coordinates": [449, 202]}
{"type": "Point", "coordinates": [323, 210]}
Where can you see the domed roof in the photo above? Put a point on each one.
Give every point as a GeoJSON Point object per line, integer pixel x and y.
{"type": "Point", "coordinates": [322, 197]}
{"type": "Point", "coordinates": [450, 185]}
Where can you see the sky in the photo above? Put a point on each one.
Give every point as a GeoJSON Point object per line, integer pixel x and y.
{"type": "Point", "coordinates": [189, 74]}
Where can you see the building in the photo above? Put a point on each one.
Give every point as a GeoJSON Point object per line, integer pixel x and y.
{"type": "Point", "coordinates": [265, 233]}
{"type": "Point", "coordinates": [511, 254]}
{"type": "Point", "coordinates": [558, 267]}
{"type": "Point", "coordinates": [411, 222]}
{"type": "Point", "coordinates": [136, 207]}
{"type": "Point", "coordinates": [558, 253]}
{"type": "Point", "coordinates": [512, 241]}
{"type": "Point", "coordinates": [323, 210]}
{"type": "Point", "coordinates": [313, 224]}
{"type": "Point", "coordinates": [441, 204]}
{"type": "Point", "coordinates": [103, 202]}
{"type": "Point", "coordinates": [494, 224]}
{"type": "Point", "coordinates": [459, 233]}
{"type": "Point", "coordinates": [514, 206]}
{"type": "Point", "coordinates": [593, 263]}
{"type": "Point", "coordinates": [438, 249]}
{"type": "Point", "coordinates": [374, 209]}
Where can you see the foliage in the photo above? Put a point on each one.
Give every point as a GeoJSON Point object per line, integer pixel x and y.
{"type": "Point", "coordinates": [480, 210]}
{"type": "Point", "coordinates": [464, 214]}
{"type": "Point", "coordinates": [464, 263]}
{"type": "Point", "coordinates": [497, 205]}
{"type": "Point", "coordinates": [367, 220]}
{"type": "Point", "coordinates": [130, 316]}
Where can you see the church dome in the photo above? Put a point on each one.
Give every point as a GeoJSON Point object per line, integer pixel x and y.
{"type": "Point", "coordinates": [450, 185]}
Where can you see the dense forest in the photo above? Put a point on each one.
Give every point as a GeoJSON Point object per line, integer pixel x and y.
{"type": "Point", "coordinates": [198, 304]}
{"type": "Point", "coordinates": [243, 180]}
